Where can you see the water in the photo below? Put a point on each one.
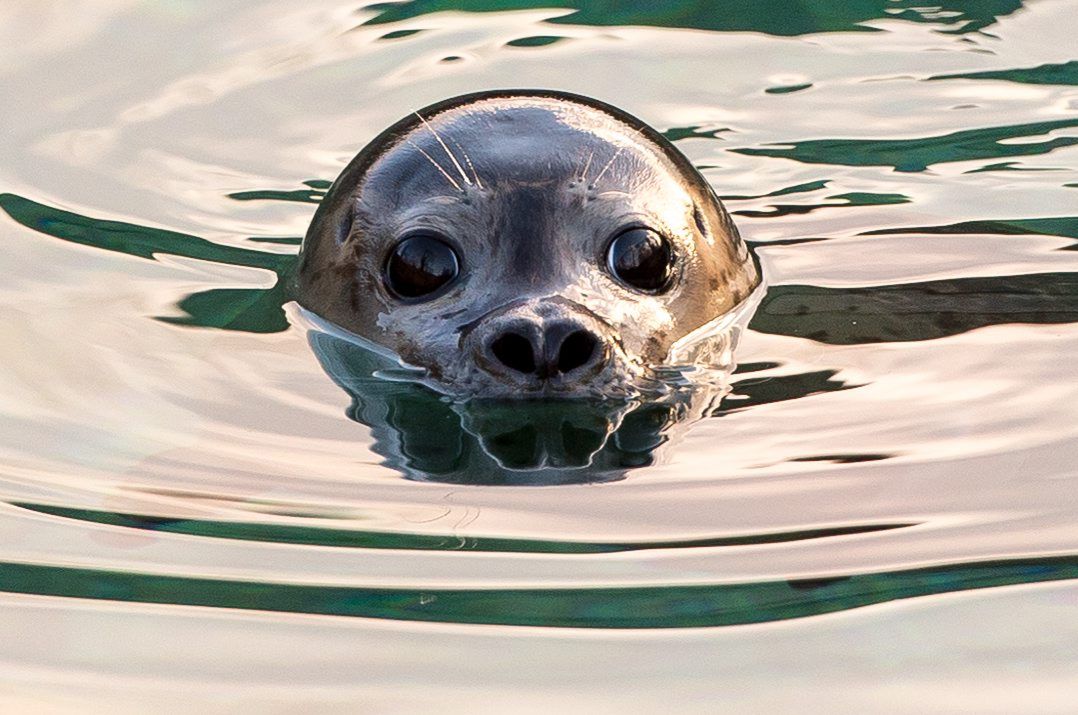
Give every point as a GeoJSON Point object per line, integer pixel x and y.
{"type": "Point", "coordinates": [878, 514]}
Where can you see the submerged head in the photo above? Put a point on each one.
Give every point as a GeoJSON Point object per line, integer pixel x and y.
{"type": "Point", "coordinates": [523, 244]}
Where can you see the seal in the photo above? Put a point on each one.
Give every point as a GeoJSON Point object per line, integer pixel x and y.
{"type": "Point", "coordinates": [523, 243]}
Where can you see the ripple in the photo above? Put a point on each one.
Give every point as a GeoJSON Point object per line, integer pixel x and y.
{"type": "Point", "coordinates": [843, 458]}
{"type": "Point", "coordinates": [353, 538]}
{"type": "Point", "coordinates": [753, 392]}
{"type": "Point", "coordinates": [773, 18]}
{"type": "Point", "coordinates": [203, 458]}
{"type": "Point", "coordinates": [797, 189]}
{"type": "Point", "coordinates": [695, 606]}
{"type": "Point", "coordinates": [1065, 226]}
{"type": "Point", "coordinates": [918, 154]}
{"type": "Point", "coordinates": [132, 239]}
{"type": "Point", "coordinates": [253, 310]}
{"type": "Point", "coordinates": [535, 41]}
{"type": "Point", "coordinates": [398, 34]}
{"type": "Point", "coordinates": [1010, 166]}
{"type": "Point", "coordinates": [916, 311]}
{"type": "Point", "coordinates": [695, 131]}
{"type": "Point", "coordinates": [788, 89]}
{"type": "Point", "coordinates": [1065, 73]}
{"type": "Point", "coordinates": [847, 200]}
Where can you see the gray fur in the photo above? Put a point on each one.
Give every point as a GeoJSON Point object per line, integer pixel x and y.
{"type": "Point", "coordinates": [530, 187]}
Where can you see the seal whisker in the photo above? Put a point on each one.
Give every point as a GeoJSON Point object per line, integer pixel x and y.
{"type": "Point", "coordinates": [587, 165]}
{"type": "Point", "coordinates": [437, 166]}
{"type": "Point", "coordinates": [446, 148]}
{"type": "Point", "coordinates": [518, 283]}
{"type": "Point", "coordinates": [608, 165]}
{"type": "Point", "coordinates": [468, 160]}
{"type": "Point", "coordinates": [612, 159]}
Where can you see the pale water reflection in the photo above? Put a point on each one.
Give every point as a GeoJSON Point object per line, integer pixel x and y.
{"type": "Point", "coordinates": [873, 510]}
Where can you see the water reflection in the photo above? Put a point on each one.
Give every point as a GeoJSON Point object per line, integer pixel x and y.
{"type": "Point", "coordinates": [917, 311]}
{"type": "Point", "coordinates": [428, 437]}
{"type": "Point", "coordinates": [349, 537]}
{"type": "Point", "coordinates": [706, 605]}
{"type": "Point", "coordinates": [253, 310]}
{"type": "Point", "coordinates": [785, 17]}
{"type": "Point", "coordinates": [204, 464]}
{"type": "Point", "coordinates": [843, 316]}
{"type": "Point", "coordinates": [848, 200]}
{"type": "Point", "coordinates": [916, 155]}
{"type": "Point", "coordinates": [414, 428]}
{"type": "Point", "coordinates": [1065, 73]}
{"type": "Point", "coordinates": [1064, 226]}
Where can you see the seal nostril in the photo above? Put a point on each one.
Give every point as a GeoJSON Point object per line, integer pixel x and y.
{"type": "Point", "coordinates": [576, 350]}
{"type": "Point", "coordinates": [515, 352]}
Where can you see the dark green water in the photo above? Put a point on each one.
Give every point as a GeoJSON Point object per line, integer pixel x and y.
{"type": "Point", "coordinates": [207, 505]}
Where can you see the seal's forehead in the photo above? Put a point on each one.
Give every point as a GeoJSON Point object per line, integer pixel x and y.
{"type": "Point", "coordinates": [522, 139]}
{"type": "Point", "coordinates": [537, 114]}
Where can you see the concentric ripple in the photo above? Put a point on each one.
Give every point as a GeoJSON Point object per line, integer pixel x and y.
{"type": "Point", "coordinates": [205, 500]}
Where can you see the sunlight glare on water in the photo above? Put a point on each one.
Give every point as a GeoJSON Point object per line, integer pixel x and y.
{"type": "Point", "coordinates": [205, 504]}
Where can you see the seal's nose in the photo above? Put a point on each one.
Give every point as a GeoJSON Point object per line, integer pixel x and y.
{"type": "Point", "coordinates": [556, 348]}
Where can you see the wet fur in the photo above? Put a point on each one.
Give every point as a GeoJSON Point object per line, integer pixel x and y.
{"type": "Point", "coordinates": [530, 187]}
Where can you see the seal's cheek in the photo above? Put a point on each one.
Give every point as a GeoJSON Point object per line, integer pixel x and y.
{"type": "Point", "coordinates": [421, 335]}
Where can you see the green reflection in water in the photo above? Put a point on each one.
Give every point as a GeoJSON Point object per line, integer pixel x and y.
{"type": "Point", "coordinates": [352, 538]}
{"type": "Point", "coordinates": [306, 196]}
{"type": "Point", "coordinates": [279, 240]}
{"type": "Point", "coordinates": [256, 310]}
{"type": "Point", "coordinates": [693, 132]}
{"type": "Point", "coordinates": [132, 239]}
{"type": "Point", "coordinates": [1063, 226]}
{"type": "Point", "coordinates": [919, 154]}
{"type": "Point", "coordinates": [798, 189]}
{"type": "Point", "coordinates": [848, 200]}
{"type": "Point", "coordinates": [248, 310]}
{"type": "Point", "coordinates": [834, 315]}
{"type": "Point", "coordinates": [916, 311]}
{"type": "Point", "coordinates": [756, 391]}
{"type": "Point", "coordinates": [535, 41]}
{"type": "Point", "coordinates": [1010, 166]}
{"type": "Point", "coordinates": [1062, 74]}
{"type": "Point", "coordinates": [854, 458]}
{"type": "Point", "coordinates": [773, 17]}
{"type": "Point", "coordinates": [398, 34]}
{"type": "Point", "coordinates": [313, 194]}
{"type": "Point", "coordinates": [623, 607]}
{"type": "Point", "coordinates": [788, 89]}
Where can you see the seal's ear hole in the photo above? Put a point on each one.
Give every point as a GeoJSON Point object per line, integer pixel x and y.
{"type": "Point", "coordinates": [698, 217]}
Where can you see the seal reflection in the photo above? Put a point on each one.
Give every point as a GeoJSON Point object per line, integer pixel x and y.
{"type": "Point", "coordinates": [431, 437]}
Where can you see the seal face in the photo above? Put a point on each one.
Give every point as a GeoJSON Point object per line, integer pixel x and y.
{"type": "Point", "coordinates": [523, 243]}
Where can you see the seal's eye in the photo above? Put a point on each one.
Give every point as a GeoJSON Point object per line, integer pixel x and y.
{"type": "Point", "coordinates": [641, 259]}
{"type": "Point", "coordinates": [419, 265]}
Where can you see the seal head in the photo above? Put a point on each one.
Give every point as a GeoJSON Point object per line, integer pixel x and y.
{"type": "Point", "coordinates": [523, 243]}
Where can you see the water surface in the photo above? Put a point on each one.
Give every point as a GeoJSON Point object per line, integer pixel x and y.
{"type": "Point", "coordinates": [204, 503]}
